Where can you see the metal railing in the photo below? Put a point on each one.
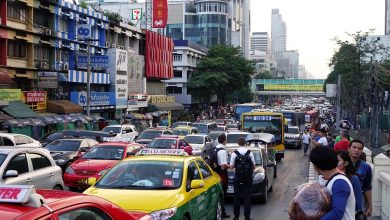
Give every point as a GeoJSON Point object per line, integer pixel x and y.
{"type": "Point", "coordinates": [384, 178]}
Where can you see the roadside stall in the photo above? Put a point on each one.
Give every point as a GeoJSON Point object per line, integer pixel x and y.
{"type": "Point", "coordinates": [98, 123]}
{"type": "Point", "coordinates": [16, 126]}
{"type": "Point", "coordinates": [51, 123]}
{"type": "Point", "coordinates": [37, 128]}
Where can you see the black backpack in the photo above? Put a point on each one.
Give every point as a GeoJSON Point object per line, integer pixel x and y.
{"type": "Point", "coordinates": [212, 159]}
{"type": "Point", "coordinates": [244, 167]}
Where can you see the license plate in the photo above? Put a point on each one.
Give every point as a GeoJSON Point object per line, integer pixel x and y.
{"type": "Point", "coordinates": [230, 189]}
{"type": "Point", "coordinates": [83, 181]}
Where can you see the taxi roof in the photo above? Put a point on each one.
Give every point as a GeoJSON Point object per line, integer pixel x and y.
{"type": "Point", "coordinates": [173, 158]}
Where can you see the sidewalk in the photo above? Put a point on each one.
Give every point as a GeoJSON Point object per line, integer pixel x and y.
{"type": "Point", "coordinates": [313, 176]}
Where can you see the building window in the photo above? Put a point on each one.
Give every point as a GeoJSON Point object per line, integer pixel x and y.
{"type": "Point", "coordinates": [63, 25]}
{"type": "Point", "coordinates": [131, 42]}
{"type": "Point", "coordinates": [177, 73]}
{"type": "Point", "coordinates": [41, 52]}
{"type": "Point", "coordinates": [16, 12]}
{"type": "Point", "coordinates": [177, 57]}
{"type": "Point", "coordinates": [174, 90]}
{"type": "Point", "coordinates": [17, 49]}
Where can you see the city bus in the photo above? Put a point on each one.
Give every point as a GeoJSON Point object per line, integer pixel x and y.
{"type": "Point", "coordinates": [312, 118]}
{"type": "Point", "coordinates": [247, 107]}
{"type": "Point", "coordinates": [266, 122]}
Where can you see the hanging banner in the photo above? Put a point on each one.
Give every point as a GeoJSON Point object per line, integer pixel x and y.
{"type": "Point", "coordinates": [160, 13]}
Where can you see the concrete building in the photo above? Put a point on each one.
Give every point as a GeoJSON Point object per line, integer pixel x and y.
{"type": "Point", "coordinates": [278, 34]}
{"type": "Point", "coordinates": [302, 74]}
{"type": "Point", "coordinates": [383, 40]}
{"type": "Point", "coordinates": [261, 51]}
{"type": "Point", "coordinates": [186, 56]}
{"type": "Point", "coordinates": [387, 17]}
{"type": "Point", "coordinates": [293, 56]}
{"type": "Point", "coordinates": [240, 22]}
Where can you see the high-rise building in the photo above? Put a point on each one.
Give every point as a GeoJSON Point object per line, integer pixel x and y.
{"type": "Point", "coordinates": [261, 41]}
{"type": "Point", "coordinates": [387, 17]}
{"type": "Point", "coordinates": [278, 34]}
{"type": "Point", "coordinates": [261, 50]}
{"type": "Point", "coordinates": [239, 11]}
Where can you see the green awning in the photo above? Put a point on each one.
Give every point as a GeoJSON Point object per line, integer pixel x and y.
{"type": "Point", "coordinates": [18, 109]}
{"type": "Point", "coordinates": [165, 106]}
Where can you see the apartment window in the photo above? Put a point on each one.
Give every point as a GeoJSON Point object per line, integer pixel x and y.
{"type": "Point", "coordinates": [62, 56]}
{"type": "Point", "coordinates": [41, 52]}
{"type": "Point", "coordinates": [177, 57]}
{"type": "Point", "coordinates": [174, 90]}
{"type": "Point", "coordinates": [131, 42]}
{"type": "Point", "coordinates": [17, 49]}
{"type": "Point", "coordinates": [63, 25]}
{"type": "Point", "coordinates": [16, 12]}
{"type": "Point", "coordinates": [177, 73]}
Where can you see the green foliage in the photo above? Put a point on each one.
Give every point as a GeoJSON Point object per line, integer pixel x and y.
{"type": "Point", "coordinates": [263, 74]}
{"type": "Point", "coordinates": [113, 16]}
{"type": "Point", "coordinates": [222, 72]}
{"type": "Point", "coordinates": [83, 4]}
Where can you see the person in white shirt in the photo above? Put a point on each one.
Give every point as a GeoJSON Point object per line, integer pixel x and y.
{"type": "Point", "coordinates": [242, 180]}
{"type": "Point", "coordinates": [322, 141]}
{"type": "Point", "coordinates": [306, 141]}
{"type": "Point", "coordinates": [223, 166]}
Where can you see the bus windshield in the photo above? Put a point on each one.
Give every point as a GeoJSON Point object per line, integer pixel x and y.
{"type": "Point", "coordinates": [263, 124]}
{"type": "Point", "coordinates": [242, 108]}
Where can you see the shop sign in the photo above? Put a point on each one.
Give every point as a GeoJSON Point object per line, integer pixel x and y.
{"type": "Point", "coordinates": [96, 61]}
{"type": "Point", "coordinates": [10, 94]}
{"type": "Point", "coordinates": [287, 87]}
{"type": "Point", "coordinates": [162, 99]}
{"type": "Point", "coordinates": [97, 98]}
{"type": "Point", "coordinates": [47, 80]}
{"type": "Point", "coordinates": [35, 96]}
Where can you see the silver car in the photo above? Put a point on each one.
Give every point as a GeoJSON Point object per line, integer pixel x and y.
{"type": "Point", "coordinates": [198, 142]}
{"type": "Point", "coordinates": [29, 166]}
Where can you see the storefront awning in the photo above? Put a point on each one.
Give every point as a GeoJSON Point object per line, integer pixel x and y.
{"type": "Point", "coordinates": [18, 109]}
{"type": "Point", "coordinates": [4, 117]}
{"type": "Point", "coordinates": [5, 79]}
{"type": "Point", "coordinates": [63, 107]}
{"type": "Point", "coordinates": [165, 106]}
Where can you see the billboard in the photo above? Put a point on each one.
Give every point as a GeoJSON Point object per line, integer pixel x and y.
{"type": "Point", "coordinates": [97, 98]}
{"type": "Point", "coordinates": [292, 87]}
{"type": "Point", "coordinates": [10, 94]}
{"type": "Point", "coordinates": [331, 90]}
{"type": "Point", "coordinates": [118, 75]}
{"type": "Point", "coordinates": [158, 58]}
{"type": "Point", "coordinates": [47, 80]}
{"type": "Point", "coordinates": [160, 13]}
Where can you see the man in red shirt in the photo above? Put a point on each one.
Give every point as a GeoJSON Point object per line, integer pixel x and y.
{"type": "Point", "coordinates": [343, 144]}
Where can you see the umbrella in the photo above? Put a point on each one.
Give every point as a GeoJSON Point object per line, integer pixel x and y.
{"type": "Point", "coordinates": [97, 118]}
{"type": "Point", "coordinates": [13, 123]}
{"type": "Point", "coordinates": [88, 118]}
{"type": "Point", "coordinates": [26, 122]}
{"type": "Point", "coordinates": [36, 122]}
{"type": "Point", "coordinates": [80, 118]}
{"type": "Point", "coordinates": [49, 120]}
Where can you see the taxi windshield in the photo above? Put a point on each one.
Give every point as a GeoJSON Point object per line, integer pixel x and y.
{"type": "Point", "coordinates": [194, 139]}
{"type": "Point", "coordinates": [105, 153]}
{"type": "Point", "coordinates": [143, 175]}
{"type": "Point", "coordinates": [163, 143]}
{"type": "Point", "coordinates": [181, 132]}
{"type": "Point", "coordinates": [2, 158]}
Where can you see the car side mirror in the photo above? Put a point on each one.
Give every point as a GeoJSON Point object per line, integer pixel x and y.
{"type": "Point", "coordinates": [197, 184]}
{"type": "Point", "coordinates": [10, 173]}
{"type": "Point", "coordinates": [83, 149]}
{"type": "Point", "coordinates": [123, 132]}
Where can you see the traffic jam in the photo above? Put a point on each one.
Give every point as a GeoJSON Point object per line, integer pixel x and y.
{"type": "Point", "coordinates": [161, 172]}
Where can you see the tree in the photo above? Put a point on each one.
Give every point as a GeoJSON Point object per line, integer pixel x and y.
{"type": "Point", "coordinates": [83, 4]}
{"type": "Point", "coordinates": [113, 16]}
{"type": "Point", "coordinates": [263, 74]}
{"type": "Point", "coordinates": [221, 72]}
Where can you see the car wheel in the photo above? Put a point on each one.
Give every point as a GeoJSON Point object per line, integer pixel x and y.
{"type": "Point", "coordinates": [218, 210]}
{"type": "Point", "coordinates": [275, 171]}
{"type": "Point", "coordinates": [271, 189]}
{"type": "Point", "coordinates": [263, 198]}
{"type": "Point", "coordinates": [57, 187]}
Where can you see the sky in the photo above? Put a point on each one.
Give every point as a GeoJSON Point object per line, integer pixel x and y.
{"type": "Point", "coordinates": [312, 24]}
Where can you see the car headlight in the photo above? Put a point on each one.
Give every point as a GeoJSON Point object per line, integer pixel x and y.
{"type": "Point", "coordinates": [102, 172]}
{"type": "Point", "coordinates": [160, 214]}
{"type": "Point", "coordinates": [60, 161]}
{"type": "Point", "coordinates": [69, 170]}
{"type": "Point", "coordinates": [258, 177]}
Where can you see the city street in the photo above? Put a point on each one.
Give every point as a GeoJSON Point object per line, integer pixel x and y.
{"type": "Point", "coordinates": [292, 171]}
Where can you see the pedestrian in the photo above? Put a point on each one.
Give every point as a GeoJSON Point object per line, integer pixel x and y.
{"type": "Point", "coordinates": [305, 141]}
{"type": "Point", "coordinates": [243, 161]}
{"type": "Point", "coordinates": [322, 141]}
{"type": "Point", "coordinates": [343, 144]}
{"type": "Point", "coordinates": [222, 158]}
{"type": "Point", "coordinates": [325, 163]}
{"type": "Point", "coordinates": [363, 171]}
{"type": "Point", "coordinates": [345, 166]}
{"type": "Point", "coordinates": [338, 138]}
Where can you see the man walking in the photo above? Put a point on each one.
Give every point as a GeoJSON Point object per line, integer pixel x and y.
{"type": "Point", "coordinates": [322, 141]}
{"type": "Point", "coordinates": [363, 171]}
{"type": "Point", "coordinates": [222, 157]}
{"type": "Point", "coordinates": [305, 141]}
{"type": "Point", "coordinates": [244, 163]}
{"type": "Point", "coordinates": [343, 144]}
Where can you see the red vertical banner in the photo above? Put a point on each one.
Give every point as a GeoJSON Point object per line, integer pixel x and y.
{"type": "Point", "coordinates": [160, 13]}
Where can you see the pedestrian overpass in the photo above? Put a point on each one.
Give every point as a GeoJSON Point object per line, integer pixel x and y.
{"type": "Point", "coordinates": [282, 87]}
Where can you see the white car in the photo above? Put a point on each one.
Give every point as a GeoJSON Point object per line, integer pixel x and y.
{"type": "Point", "coordinates": [31, 166]}
{"type": "Point", "coordinates": [198, 142]}
{"type": "Point", "coordinates": [20, 140]}
{"type": "Point", "coordinates": [232, 138]}
{"type": "Point", "coordinates": [122, 131]}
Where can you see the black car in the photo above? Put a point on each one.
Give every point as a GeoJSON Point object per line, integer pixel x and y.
{"type": "Point", "coordinates": [96, 135]}
{"type": "Point", "coordinates": [149, 134]}
{"type": "Point", "coordinates": [65, 151]}
{"type": "Point", "coordinates": [263, 175]}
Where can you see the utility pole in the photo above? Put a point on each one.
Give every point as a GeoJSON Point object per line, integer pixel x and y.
{"type": "Point", "coordinates": [338, 104]}
{"type": "Point", "coordinates": [374, 142]}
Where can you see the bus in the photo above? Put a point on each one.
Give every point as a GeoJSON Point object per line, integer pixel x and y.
{"type": "Point", "coordinates": [312, 118]}
{"type": "Point", "coordinates": [266, 122]}
{"type": "Point", "coordinates": [247, 107]}
{"type": "Point", "coordinates": [295, 118]}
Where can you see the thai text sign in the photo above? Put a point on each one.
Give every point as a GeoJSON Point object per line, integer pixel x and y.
{"type": "Point", "coordinates": [10, 94]}
{"type": "Point", "coordinates": [95, 61]}
{"type": "Point", "coordinates": [160, 13]}
{"type": "Point", "coordinates": [48, 80]}
{"type": "Point", "coordinates": [286, 87]}
{"type": "Point", "coordinates": [35, 96]}
{"type": "Point", "coordinates": [97, 98]}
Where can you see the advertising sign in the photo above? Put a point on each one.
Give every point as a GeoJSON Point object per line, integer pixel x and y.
{"type": "Point", "coordinates": [136, 14]}
{"type": "Point", "coordinates": [35, 96]}
{"type": "Point", "coordinates": [97, 98]}
{"type": "Point", "coordinates": [10, 94]}
{"type": "Point", "coordinates": [286, 87]}
{"type": "Point", "coordinates": [331, 90]}
{"type": "Point", "coordinates": [47, 80]}
{"type": "Point", "coordinates": [160, 13]}
{"type": "Point", "coordinates": [83, 31]}
{"type": "Point", "coordinates": [100, 61]}
{"type": "Point", "coordinates": [118, 76]}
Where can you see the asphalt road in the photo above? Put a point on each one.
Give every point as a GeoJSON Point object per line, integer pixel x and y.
{"type": "Point", "coordinates": [292, 171]}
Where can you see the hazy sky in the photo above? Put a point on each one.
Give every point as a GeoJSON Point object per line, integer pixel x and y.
{"type": "Point", "coordinates": [311, 24]}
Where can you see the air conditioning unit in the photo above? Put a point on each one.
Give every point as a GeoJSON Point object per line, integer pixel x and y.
{"type": "Point", "coordinates": [107, 44]}
{"type": "Point", "coordinates": [65, 66]}
{"type": "Point", "coordinates": [98, 50]}
{"type": "Point", "coordinates": [48, 32]}
{"type": "Point", "coordinates": [113, 45]}
{"type": "Point", "coordinates": [122, 47]}
{"type": "Point", "coordinates": [83, 47]}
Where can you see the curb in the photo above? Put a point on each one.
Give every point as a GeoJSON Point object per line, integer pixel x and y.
{"type": "Point", "coordinates": [312, 176]}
